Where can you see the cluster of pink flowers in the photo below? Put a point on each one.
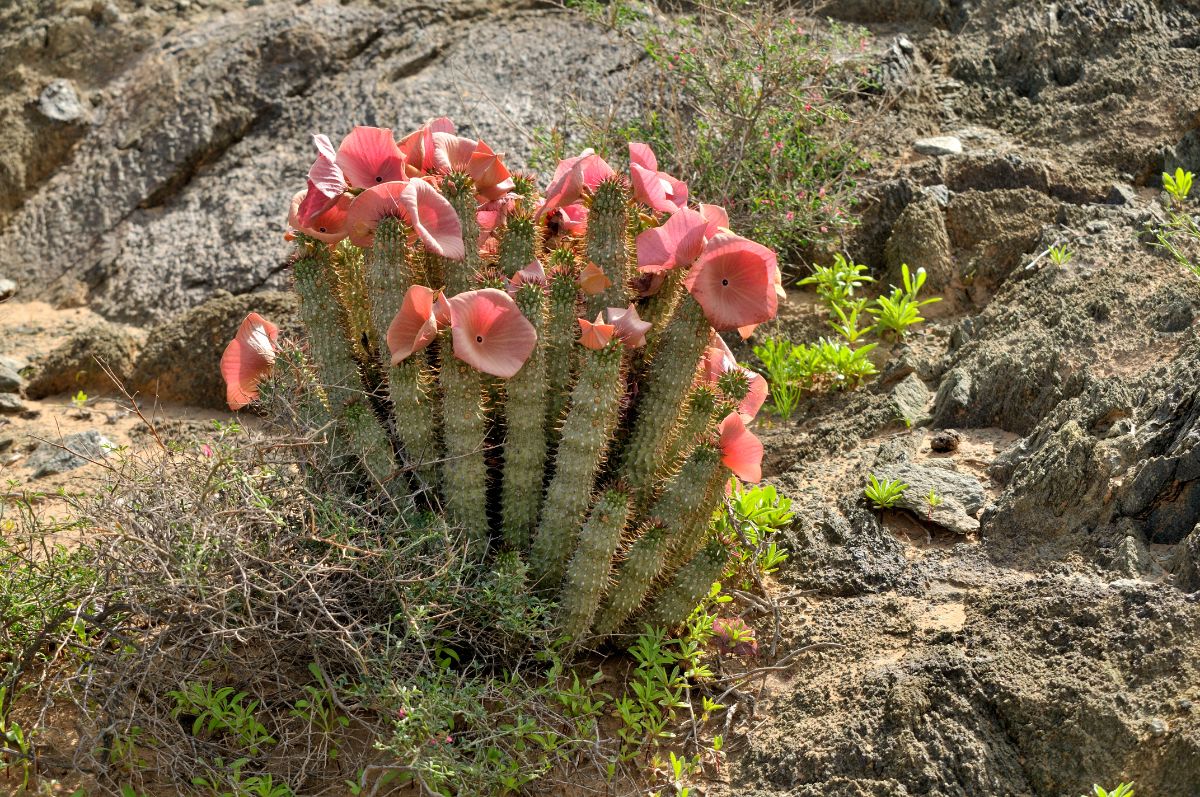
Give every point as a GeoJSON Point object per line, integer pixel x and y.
{"type": "Point", "coordinates": [372, 176]}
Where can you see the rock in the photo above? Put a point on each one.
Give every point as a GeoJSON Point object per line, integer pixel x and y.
{"type": "Point", "coordinates": [938, 145]}
{"type": "Point", "coordinates": [144, 221]}
{"type": "Point", "coordinates": [1132, 558]}
{"type": "Point", "coordinates": [911, 397]}
{"type": "Point", "coordinates": [6, 442]}
{"type": "Point", "coordinates": [60, 103]}
{"type": "Point", "coordinates": [1185, 154]}
{"type": "Point", "coordinates": [985, 172]}
{"type": "Point", "coordinates": [10, 380]}
{"type": "Point", "coordinates": [945, 441]}
{"type": "Point", "coordinates": [11, 404]}
{"type": "Point", "coordinates": [1122, 194]}
{"type": "Point", "coordinates": [181, 359]}
{"type": "Point", "coordinates": [1185, 562]}
{"type": "Point", "coordinates": [992, 231]}
{"type": "Point", "coordinates": [17, 364]}
{"type": "Point", "coordinates": [919, 239]}
{"type": "Point", "coordinates": [962, 495]}
{"type": "Point", "coordinates": [8, 289]}
{"type": "Point", "coordinates": [76, 363]}
{"type": "Point", "coordinates": [75, 451]}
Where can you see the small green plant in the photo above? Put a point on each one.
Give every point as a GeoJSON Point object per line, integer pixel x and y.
{"type": "Point", "coordinates": [884, 494]}
{"type": "Point", "coordinates": [79, 400]}
{"type": "Point", "coordinates": [846, 324]}
{"type": "Point", "coordinates": [1180, 236]}
{"type": "Point", "coordinates": [221, 710]}
{"type": "Point", "coordinates": [235, 784]}
{"type": "Point", "coordinates": [836, 284]}
{"type": "Point", "coordinates": [1060, 255]}
{"type": "Point", "coordinates": [17, 752]}
{"type": "Point", "coordinates": [754, 517]}
{"type": "Point", "coordinates": [794, 368]}
{"type": "Point", "coordinates": [899, 310]}
{"type": "Point", "coordinates": [319, 711]}
{"type": "Point", "coordinates": [1124, 790]}
{"type": "Point", "coordinates": [933, 499]}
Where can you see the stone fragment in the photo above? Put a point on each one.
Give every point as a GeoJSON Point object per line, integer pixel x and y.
{"type": "Point", "coordinates": [74, 451]}
{"type": "Point", "coordinates": [938, 145]}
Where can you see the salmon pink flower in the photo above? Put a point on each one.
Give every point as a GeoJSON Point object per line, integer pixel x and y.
{"type": "Point", "coordinates": [657, 190]}
{"type": "Point", "coordinates": [593, 280]}
{"type": "Point", "coordinates": [717, 218]}
{"type": "Point", "coordinates": [418, 147]}
{"type": "Point", "coordinates": [330, 225]}
{"type": "Point", "coordinates": [741, 451]}
{"type": "Point", "coordinates": [677, 242]}
{"type": "Point", "coordinates": [717, 360]}
{"type": "Point", "coordinates": [489, 332]}
{"type": "Point", "coordinates": [369, 156]}
{"type": "Point", "coordinates": [325, 181]}
{"type": "Point", "coordinates": [533, 273]}
{"type": "Point", "coordinates": [247, 359]}
{"type": "Point", "coordinates": [572, 177]}
{"type": "Point", "coordinates": [452, 153]}
{"type": "Point", "coordinates": [595, 335]}
{"type": "Point", "coordinates": [630, 328]}
{"type": "Point", "coordinates": [572, 219]}
{"type": "Point", "coordinates": [414, 326]}
{"type": "Point", "coordinates": [430, 215]}
{"type": "Point", "coordinates": [734, 281]}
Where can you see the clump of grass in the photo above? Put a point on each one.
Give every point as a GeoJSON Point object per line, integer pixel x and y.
{"type": "Point", "coordinates": [1180, 236]}
{"type": "Point", "coordinates": [748, 106]}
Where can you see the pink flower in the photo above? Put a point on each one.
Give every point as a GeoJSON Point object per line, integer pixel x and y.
{"type": "Point", "coordinates": [593, 280]}
{"type": "Point", "coordinates": [657, 190]}
{"type": "Point", "coordinates": [596, 334]}
{"type": "Point", "coordinates": [326, 183]}
{"type": "Point", "coordinates": [418, 146]}
{"type": "Point", "coordinates": [630, 328]}
{"type": "Point", "coordinates": [330, 225]}
{"type": "Point", "coordinates": [206, 451]}
{"type": "Point", "coordinates": [677, 242]}
{"type": "Point", "coordinates": [430, 215]}
{"type": "Point", "coordinates": [533, 273]}
{"type": "Point", "coordinates": [717, 360]}
{"type": "Point", "coordinates": [716, 217]}
{"type": "Point", "coordinates": [369, 156]}
{"type": "Point", "coordinates": [414, 326]}
{"type": "Point", "coordinates": [572, 177]}
{"type": "Point", "coordinates": [734, 281]}
{"type": "Point", "coordinates": [247, 359]}
{"type": "Point", "coordinates": [453, 153]}
{"type": "Point", "coordinates": [572, 219]}
{"type": "Point", "coordinates": [489, 332]}
{"type": "Point", "coordinates": [741, 451]}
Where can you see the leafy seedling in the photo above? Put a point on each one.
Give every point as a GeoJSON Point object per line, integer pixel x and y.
{"type": "Point", "coordinates": [884, 494]}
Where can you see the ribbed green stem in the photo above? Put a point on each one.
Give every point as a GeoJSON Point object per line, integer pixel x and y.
{"type": "Point", "coordinates": [693, 426]}
{"type": "Point", "coordinates": [464, 486]}
{"type": "Point", "coordinates": [561, 328]}
{"type": "Point", "coordinates": [525, 445]}
{"type": "Point", "coordinates": [659, 307]}
{"type": "Point", "coordinates": [389, 273]}
{"type": "Point", "coordinates": [607, 244]}
{"type": "Point", "coordinates": [675, 520]}
{"type": "Point", "coordinates": [587, 577]}
{"type": "Point", "coordinates": [321, 315]}
{"type": "Point", "coordinates": [518, 244]}
{"type": "Point", "coordinates": [351, 292]}
{"type": "Point", "coordinates": [459, 190]}
{"type": "Point", "coordinates": [669, 377]}
{"type": "Point", "coordinates": [586, 433]}
{"type": "Point", "coordinates": [645, 560]}
{"type": "Point", "coordinates": [688, 587]}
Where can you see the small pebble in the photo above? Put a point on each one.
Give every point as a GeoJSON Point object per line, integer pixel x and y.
{"type": "Point", "coordinates": [11, 404]}
{"type": "Point", "coordinates": [1157, 727]}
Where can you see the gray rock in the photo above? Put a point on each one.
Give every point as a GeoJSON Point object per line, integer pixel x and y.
{"type": "Point", "coordinates": [11, 404]}
{"type": "Point", "coordinates": [15, 363]}
{"type": "Point", "coordinates": [1122, 194]}
{"type": "Point", "coordinates": [961, 493]}
{"type": "Point", "coordinates": [911, 399]}
{"type": "Point", "coordinates": [75, 451]}
{"type": "Point", "coordinates": [992, 231]}
{"type": "Point", "coordinates": [144, 224]}
{"type": "Point", "coordinates": [919, 239]}
{"type": "Point", "coordinates": [8, 289]}
{"type": "Point", "coordinates": [10, 380]}
{"type": "Point", "coordinates": [1185, 154]}
{"type": "Point", "coordinates": [938, 145]}
{"type": "Point", "coordinates": [1132, 558]}
{"type": "Point", "coordinates": [940, 194]}
{"type": "Point", "coordinates": [1185, 562]}
{"type": "Point", "coordinates": [59, 102]}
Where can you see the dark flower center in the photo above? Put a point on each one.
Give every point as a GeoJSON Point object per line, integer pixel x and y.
{"type": "Point", "coordinates": [379, 179]}
{"type": "Point", "coordinates": [479, 338]}
{"type": "Point", "coordinates": [725, 283]}
{"type": "Point", "coordinates": [322, 229]}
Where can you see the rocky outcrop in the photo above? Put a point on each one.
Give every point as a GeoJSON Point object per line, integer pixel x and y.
{"type": "Point", "coordinates": [174, 180]}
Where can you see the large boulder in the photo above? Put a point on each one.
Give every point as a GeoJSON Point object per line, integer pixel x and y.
{"type": "Point", "coordinates": [84, 361]}
{"type": "Point", "coordinates": [180, 183]}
